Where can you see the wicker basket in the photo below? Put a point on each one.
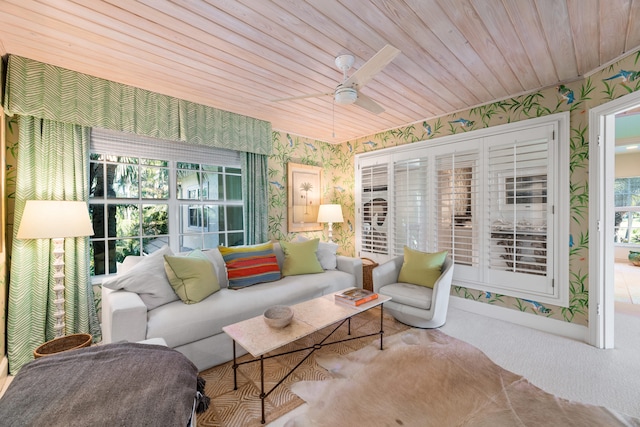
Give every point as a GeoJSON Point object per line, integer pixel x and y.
{"type": "Point", "coordinates": [68, 342]}
{"type": "Point", "coordinates": [367, 273]}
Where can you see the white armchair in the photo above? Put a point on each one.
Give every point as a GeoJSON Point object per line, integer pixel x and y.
{"type": "Point", "coordinates": [414, 305]}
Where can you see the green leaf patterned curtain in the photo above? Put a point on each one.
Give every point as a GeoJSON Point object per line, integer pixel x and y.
{"type": "Point", "coordinates": [52, 165]}
{"type": "Point", "coordinates": [255, 193]}
{"type": "Point", "coordinates": [52, 101]}
{"type": "Point", "coordinates": [49, 92]}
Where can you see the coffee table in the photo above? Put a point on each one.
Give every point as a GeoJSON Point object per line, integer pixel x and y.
{"type": "Point", "coordinates": [308, 317]}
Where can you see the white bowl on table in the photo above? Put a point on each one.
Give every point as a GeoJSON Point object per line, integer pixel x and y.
{"type": "Point", "coordinates": [278, 316]}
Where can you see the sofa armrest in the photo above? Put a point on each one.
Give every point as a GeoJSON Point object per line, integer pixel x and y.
{"type": "Point", "coordinates": [352, 266]}
{"type": "Point", "coordinates": [386, 273]}
{"type": "Point", "coordinates": [124, 316]}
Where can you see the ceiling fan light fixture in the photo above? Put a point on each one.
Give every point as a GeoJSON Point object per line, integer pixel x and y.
{"type": "Point", "coordinates": [345, 95]}
{"type": "Point", "coordinates": [347, 92]}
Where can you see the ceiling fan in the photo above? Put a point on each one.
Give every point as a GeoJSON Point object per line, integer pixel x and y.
{"type": "Point", "coordinates": [348, 92]}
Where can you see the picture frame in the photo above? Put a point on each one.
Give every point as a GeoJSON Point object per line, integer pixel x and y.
{"type": "Point", "coordinates": [304, 197]}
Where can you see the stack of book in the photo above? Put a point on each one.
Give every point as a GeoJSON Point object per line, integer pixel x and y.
{"type": "Point", "coordinates": [355, 296]}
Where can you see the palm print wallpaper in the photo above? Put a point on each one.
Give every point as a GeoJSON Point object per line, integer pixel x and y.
{"type": "Point", "coordinates": [577, 97]}
{"type": "Point", "coordinates": [337, 161]}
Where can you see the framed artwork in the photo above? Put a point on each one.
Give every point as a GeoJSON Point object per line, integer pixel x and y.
{"type": "Point", "coordinates": [304, 191]}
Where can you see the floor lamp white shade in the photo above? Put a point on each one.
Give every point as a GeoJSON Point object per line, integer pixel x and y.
{"type": "Point", "coordinates": [330, 214]}
{"type": "Point", "coordinates": [56, 220]}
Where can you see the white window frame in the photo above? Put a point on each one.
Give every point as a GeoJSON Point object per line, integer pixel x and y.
{"type": "Point", "coordinates": [115, 143]}
{"type": "Point", "coordinates": [558, 223]}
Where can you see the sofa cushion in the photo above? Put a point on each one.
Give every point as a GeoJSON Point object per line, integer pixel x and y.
{"type": "Point", "coordinates": [300, 258]}
{"type": "Point", "coordinates": [327, 253]}
{"type": "Point", "coordinates": [250, 265]}
{"type": "Point", "coordinates": [192, 277]}
{"type": "Point", "coordinates": [180, 324]}
{"type": "Point", "coordinates": [219, 266]}
{"type": "Point", "coordinates": [407, 294]}
{"type": "Point", "coordinates": [421, 268]}
{"type": "Point", "coordinates": [147, 279]}
{"type": "Point", "coordinates": [277, 248]}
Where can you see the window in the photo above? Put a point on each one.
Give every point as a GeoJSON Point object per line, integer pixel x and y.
{"type": "Point", "coordinates": [146, 193]}
{"type": "Point", "coordinates": [495, 199]}
{"type": "Point", "coordinates": [457, 193]}
{"type": "Point", "coordinates": [527, 189]}
{"type": "Point", "coordinates": [519, 215]}
{"type": "Point", "coordinates": [210, 205]}
{"type": "Point", "coordinates": [374, 209]}
{"type": "Point", "coordinates": [410, 203]}
{"type": "Point", "coordinates": [129, 207]}
{"type": "Point", "coordinates": [627, 210]}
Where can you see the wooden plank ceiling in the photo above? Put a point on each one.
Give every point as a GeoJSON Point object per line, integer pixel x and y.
{"type": "Point", "coordinates": [241, 55]}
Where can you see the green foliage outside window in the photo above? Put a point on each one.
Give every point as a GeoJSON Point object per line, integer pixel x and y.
{"type": "Point", "coordinates": [627, 210]}
{"type": "Point", "coordinates": [130, 207]}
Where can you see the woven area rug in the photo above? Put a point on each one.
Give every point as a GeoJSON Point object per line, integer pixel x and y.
{"type": "Point", "coordinates": [427, 378]}
{"type": "Point", "coordinates": [241, 407]}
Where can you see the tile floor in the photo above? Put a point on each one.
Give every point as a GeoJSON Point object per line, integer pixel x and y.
{"type": "Point", "coordinates": [627, 283]}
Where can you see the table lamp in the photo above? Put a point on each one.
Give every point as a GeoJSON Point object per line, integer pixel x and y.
{"type": "Point", "coordinates": [51, 219]}
{"type": "Point", "coordinates": [330, 214]}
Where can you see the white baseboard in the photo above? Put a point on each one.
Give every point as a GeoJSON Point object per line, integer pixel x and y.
{"type": "Point", "coordinates": [541, 323]}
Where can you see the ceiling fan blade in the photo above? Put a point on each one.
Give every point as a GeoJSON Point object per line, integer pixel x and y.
{"type": "Point", "coordinates": [314, 95]}
{"type": "Point", "coordinates": [368, 104]}
{"type": "Point", "coordinates": [370, 68]}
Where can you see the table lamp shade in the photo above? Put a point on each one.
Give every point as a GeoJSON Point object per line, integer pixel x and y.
{"type": "Point", "coordinates": [330, 213]}
{"type": "Point", "coordinates": [50, 219]}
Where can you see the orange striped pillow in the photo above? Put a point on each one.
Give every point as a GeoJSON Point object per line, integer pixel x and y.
{"type": "Point", "coordinates": [250, 265]}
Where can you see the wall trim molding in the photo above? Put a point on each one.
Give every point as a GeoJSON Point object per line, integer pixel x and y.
{"type": "Point", "coordinates": [545, 324]}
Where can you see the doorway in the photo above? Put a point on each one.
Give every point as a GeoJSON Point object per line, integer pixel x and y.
{"type": "Point", "coordinates": [602, 134]}
{"type": "Point", "coordinates": [627, 211]}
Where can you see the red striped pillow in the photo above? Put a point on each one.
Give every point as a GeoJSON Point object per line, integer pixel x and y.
{"type": "Point", "coordinates": [250, 265]}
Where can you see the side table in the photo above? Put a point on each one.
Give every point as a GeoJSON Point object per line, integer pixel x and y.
{"type": "Point", "coordinates": [367, 273]}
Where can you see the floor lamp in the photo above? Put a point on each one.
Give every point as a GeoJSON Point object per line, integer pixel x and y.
{"type": "Point", "coordinates": [330, 214]}
{"type": "Point", "coordinates": [56, 220]}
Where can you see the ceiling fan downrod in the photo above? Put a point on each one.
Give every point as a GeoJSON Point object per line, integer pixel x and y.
{"type": "Point", "coordinates": [344, 95]}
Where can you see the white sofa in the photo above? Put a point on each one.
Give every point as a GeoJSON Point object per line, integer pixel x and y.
{"type": "Point", "coordinates": [195, 330]}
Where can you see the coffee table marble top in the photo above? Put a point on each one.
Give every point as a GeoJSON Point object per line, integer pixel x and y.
{"type": "Point", "coordinates": [308, 317]}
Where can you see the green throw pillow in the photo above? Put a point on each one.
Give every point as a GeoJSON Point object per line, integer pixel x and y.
{"type": "Point", "coordinates": [421, 268]}
{"type": "Point", "coordinates": [192, 277]}
{"type": "Point", "coordinates": [300, 258]}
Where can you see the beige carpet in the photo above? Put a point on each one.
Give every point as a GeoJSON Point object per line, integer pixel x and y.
{"type": "Point", "coordinates": [234, 408]}
{"type": "Point", "coordinates": [427, 378]}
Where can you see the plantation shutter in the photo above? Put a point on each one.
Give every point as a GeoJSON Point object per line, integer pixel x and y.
{"type": "Point", "coordinates": [518, 213]}
{"type": "Point", "coordinates": [496, 200]}
{"type": "Point", "coordinates": [457, 194]}
{"type": "Point", "coordinates": [410, 205]}
{"type": "Point", "coordinates": [373, 210]}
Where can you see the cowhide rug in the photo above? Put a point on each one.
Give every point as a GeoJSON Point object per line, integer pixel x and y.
{"type": "Point", "coordinates": [427, 378]}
